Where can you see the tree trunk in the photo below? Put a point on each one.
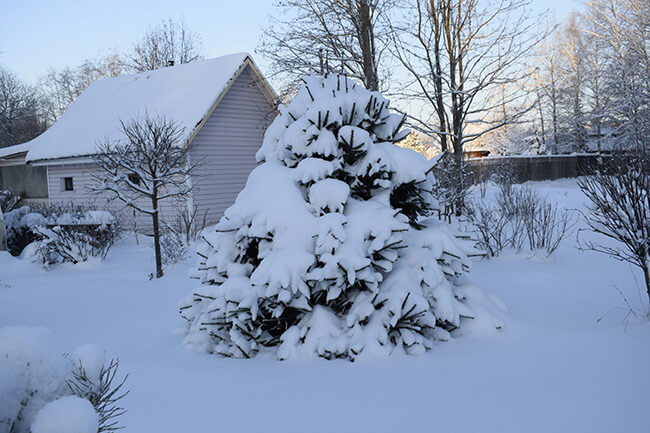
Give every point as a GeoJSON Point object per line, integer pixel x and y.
{"type": "Point", "coordinates": [366, 42]}
{"type": "Point", "coordinates": [646, 275]}
{"type": "Point", "coordinates": [156, 233]}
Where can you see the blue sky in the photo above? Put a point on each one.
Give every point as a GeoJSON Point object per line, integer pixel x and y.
{"type": "Point", "coordinates": [38, 34]}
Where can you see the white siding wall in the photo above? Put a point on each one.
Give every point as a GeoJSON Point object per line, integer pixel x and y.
{"type": "Point", "coordinates": [227, 144]}
{"type": "Point", "coordinates": [82, 180]}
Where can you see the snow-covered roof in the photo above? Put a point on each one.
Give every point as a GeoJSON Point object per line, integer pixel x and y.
{"type": "Point", "coordinates": [184, 93]}
{"type": "Point", "coordinates": [15, 149]}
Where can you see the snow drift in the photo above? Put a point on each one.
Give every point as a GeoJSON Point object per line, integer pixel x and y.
{"type": "Point", "coordinates": [330, 250]}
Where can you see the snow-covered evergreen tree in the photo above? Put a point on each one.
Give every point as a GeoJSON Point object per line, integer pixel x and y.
{"type": "Point", "coordinates": [329, 250]}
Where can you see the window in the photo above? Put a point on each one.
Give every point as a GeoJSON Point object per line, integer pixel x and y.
{"type": "Point", "coordinates": [67, 184]}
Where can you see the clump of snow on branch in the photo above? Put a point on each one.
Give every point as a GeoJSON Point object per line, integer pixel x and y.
{"type": "Point", "coordinates": [330, 250]}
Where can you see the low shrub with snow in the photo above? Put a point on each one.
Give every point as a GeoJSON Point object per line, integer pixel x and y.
{"type": "Point", "coordinates": [60, 234]}
{"type": "Point", "coordinates": [330, 250]}
{"type": "Point", "coordinates": [173, 247]}
{"type": "Point", "coordinates": [40, 390]}
{"type": "Point", "coordinates": [520, 218]}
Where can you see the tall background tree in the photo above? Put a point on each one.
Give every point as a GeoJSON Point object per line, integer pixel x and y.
{"type": "Point", "coordinates": [342, 36]}
{"type": "Point", "coordinates": [20, 108]}
{"type": "Point", "coordinates": [464, 62]}
{"type": "Point", "coordinates": [59, 89]}
{"type": "Point", "coordinates": [168, 43]}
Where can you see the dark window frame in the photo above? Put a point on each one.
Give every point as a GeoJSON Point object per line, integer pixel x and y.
{"type": "Point", "coordinates": [68, 184]}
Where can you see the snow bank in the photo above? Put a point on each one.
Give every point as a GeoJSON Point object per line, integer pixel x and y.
{"type": "Point", "coordinates": [37, 383]}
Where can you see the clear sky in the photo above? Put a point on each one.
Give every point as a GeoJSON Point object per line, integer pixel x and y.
{"type": "Point", "coordinates": [36, 35]}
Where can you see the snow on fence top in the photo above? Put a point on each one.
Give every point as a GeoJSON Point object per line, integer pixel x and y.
{"type": "Point", "coordinates": [183, 93]}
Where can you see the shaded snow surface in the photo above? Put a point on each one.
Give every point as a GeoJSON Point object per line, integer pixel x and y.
{"type": "Point", "coordinates": [66, 415]}
{"type": "Point", "coordinates": [552, 369]}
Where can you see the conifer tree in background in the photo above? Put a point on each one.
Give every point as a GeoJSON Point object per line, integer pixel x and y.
{"type": "Point", "coordinates": [329, 250]}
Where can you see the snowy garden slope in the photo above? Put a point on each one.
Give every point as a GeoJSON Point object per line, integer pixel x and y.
{"type": "Point", "coordinates": [330, 249]}
{"type": "Point", "coordinates": [553, 368]}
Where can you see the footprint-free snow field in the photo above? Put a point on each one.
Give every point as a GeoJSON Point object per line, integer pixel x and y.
{"type": "Point", "coordinates": [555, 367]}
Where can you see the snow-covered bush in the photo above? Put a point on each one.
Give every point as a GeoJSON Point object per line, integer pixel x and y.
{"type": "Point", "coordinates": [447, 190]}
{"type": "Point", "coordinates": [8, 200]}
{"type": "Point", "coordinates": [33, 376]}
{"type": "Point", "coordinates": [173, 247]}
{"type": "Point", "coordinates": [330, 249]}
{"type": "Point", "coordinates": [71, 233]}
{"type": "Point", "coordinates": [20, 225]}
{"type": "Point", "coordinates": [519, 218]}
{"type": "Point", "coordinates": [181, 231]}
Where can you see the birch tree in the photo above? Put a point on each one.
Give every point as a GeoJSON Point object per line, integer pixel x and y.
{"type": "Point", "coordinates": [149, 165]}
{"type": "Point", "coordinates": [622, 28]}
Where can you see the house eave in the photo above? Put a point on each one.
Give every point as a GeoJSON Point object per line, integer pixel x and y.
{"type": "Point", "coordinates": [13, 159]}
{"type": "Point", "coordinates": [88, 159]}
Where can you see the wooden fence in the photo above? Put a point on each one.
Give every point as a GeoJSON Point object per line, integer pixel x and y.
{"type": "Point", "coordinates": [526, 168]}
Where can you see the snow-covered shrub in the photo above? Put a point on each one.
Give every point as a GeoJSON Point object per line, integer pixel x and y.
{"type": "Point", "coordinates": [33, 375]}
{"type": "Point", "coordinates": [187, 223]}
{"type": "Point", "coordinates": [8, 200]}
{"type": "Point", "coordinates": [173, 247]}
{"type": "Point", "coordinates": [21, 224]}
{"type": "Point", "coordinates": [330, 249]}
{"type": "Point", "coordinates": [451, 184]}
{"type": "Point", "coordinates": [71, 233]}
{"type": "Point", "coordinates": [519, 218]}
{"type": "Point", "coordinates": [180, 232]}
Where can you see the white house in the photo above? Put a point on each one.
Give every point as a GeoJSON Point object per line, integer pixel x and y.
{"type": "Point", "coordinates": [224, 104]}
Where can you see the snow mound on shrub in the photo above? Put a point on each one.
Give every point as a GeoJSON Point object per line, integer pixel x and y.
{"type": "Point", "coordinates": [66, 415]}
{"type": "Point", "coordinates": [330, 250]}
{"type": "Point", "coordinates": [45, 390]}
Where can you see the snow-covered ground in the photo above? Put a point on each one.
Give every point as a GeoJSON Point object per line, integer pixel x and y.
{"type": "Point", "coordinates": [554, 368]}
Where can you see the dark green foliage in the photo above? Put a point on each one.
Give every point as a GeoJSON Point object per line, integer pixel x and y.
{"type": "Point", "coordinates": [408, 199]}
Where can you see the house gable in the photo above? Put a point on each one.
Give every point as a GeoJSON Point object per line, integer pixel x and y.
{"type": "Point", "coordinates": [227, 142]}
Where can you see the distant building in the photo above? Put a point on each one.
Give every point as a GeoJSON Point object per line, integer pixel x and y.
{"type": "Point", "coordinates": [479, 153]}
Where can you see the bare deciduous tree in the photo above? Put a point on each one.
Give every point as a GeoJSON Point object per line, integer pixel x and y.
{"type": "Point", "coordinates": [20, 106]}
{"type": "Point", "coordinates": [619, 195]}
{"type": "Point", "coordinates": [171, 42]}
{"type": "Point", "coordinates": [61, 88]}
{"type": "Point", "coordinates": [459, 54]}
{"type": "Point", "coordinates": [149, 165]}
{"type": "Point", "coordinates": [343, 36]}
